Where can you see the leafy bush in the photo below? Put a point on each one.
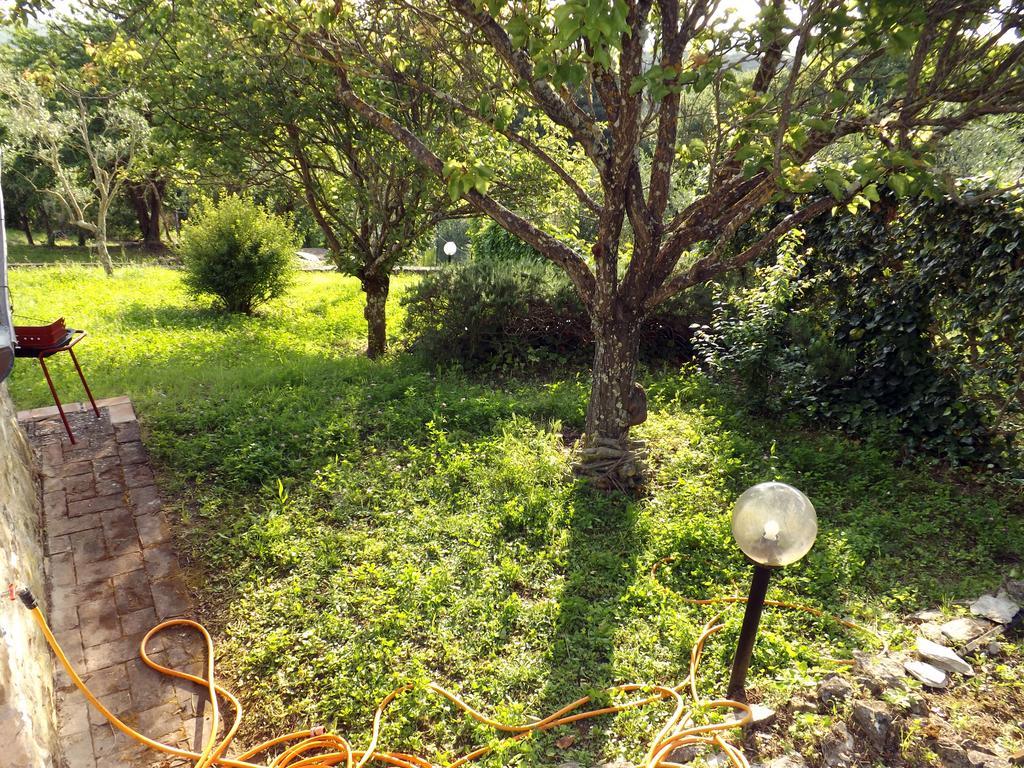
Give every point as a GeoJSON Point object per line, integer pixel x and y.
{"type": "Point", "coordinates": [240, 253]}
{"type": "Point", "coordinates": [508, 313]}
{"type": "Point", "coordinates": [910, 314]}
{"type": "Point", "coordinates": [496, 244]}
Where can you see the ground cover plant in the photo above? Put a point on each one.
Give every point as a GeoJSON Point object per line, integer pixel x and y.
{"type": "Point", "coordinates": [352, 525]}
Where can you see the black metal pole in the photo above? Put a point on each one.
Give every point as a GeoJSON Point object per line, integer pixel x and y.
{"type": "Point", "coordinates": [748, 632]}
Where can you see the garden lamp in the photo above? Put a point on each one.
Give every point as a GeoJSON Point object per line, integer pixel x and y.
{"type": "Point", "coordinates": [774, 525]}
{"type": "Point", "coordinates": [450, 249]}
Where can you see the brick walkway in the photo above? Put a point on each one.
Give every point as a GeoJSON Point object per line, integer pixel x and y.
{"type": "Point", "coordinates": [112, 574]}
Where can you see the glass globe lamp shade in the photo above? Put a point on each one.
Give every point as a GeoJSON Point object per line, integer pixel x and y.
{"type": "Point", "coordinates": [774, 524]}
{"type": "Point", "coordinates": [450, 248]}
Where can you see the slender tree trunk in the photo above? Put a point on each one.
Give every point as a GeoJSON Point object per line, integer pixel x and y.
{"type": "Point", "coordinates": [81, 237]}
{"type": "Point", "coordinates": [26, 224]}
{"type": "Point", "coordinates": [51, 235]}
{"type": "Point", "coordinates": [617, 402]}
{"type": "Point", "coordinates": [376, 287]}
{"type": "Point", "coordinates": [101, 245]}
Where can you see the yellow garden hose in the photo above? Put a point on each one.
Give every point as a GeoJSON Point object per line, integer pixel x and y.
{"type": "Point", "coordinates": [317, 749]}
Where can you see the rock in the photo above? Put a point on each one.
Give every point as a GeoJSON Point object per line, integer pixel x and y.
{"type": "Point", "coordinates": [803, 705]}
{"type": "Point", "coordinates": [942, 657]}
{"type": "Point", "coordinates": [1014, 589]}
{"type": "Point", "coordinates": [931, 676]}
{"type": "Point", "coordinates": [837, 747]}
{"type": "Point", "coordinates": [965, 629]}
{"type": "Point", "coordinates": [683, 755]}
{"type": "Point", "coordinates": [874, 720]}
{"type": "Point", "coordinates": [932, 614]}
{"type": "Point", "coordinates": [951, 754]}
{"type": "Point", "coordinates": [1000, 609]}
{"type": "Point", "coordinates": [569, 765]}
{"type": "Point", "coordinates": [976, 759]}
{"type": "Point", "coordinates": [760, 714]}
{"type": "Point", "coordinates": [620, 763]}
{"type": "Point", "coordinates": [787, 761]}
{"type": "Point", "coordinates": [834, 690]}
{"type": "Point", "coordinates": [931, 631]}
{"type": "Point", "coordinates": [994, 649]}
{"type": "Point", "coordinates": [916, 705]}
{"type": "Point", "coordinates": [879, 674]}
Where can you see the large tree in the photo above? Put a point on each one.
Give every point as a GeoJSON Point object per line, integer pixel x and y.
{"type": "Point", "coordinates": [691, 122]}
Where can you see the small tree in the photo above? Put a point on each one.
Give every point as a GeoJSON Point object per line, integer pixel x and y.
{"type": "Point", "coordinates": [89, 139]}
{"type": "Point", "coordinates": [240, 253]}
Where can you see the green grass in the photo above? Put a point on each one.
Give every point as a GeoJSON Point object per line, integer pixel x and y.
{"type": "Point", "coordinates": [64, 251]}
{"type": "Point", "coordinates": [355, 525]}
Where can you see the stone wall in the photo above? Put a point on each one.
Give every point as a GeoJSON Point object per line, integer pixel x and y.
{"type": "Point", "coordinates": [27, 723]}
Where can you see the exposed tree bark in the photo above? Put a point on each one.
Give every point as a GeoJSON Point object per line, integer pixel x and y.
{"type": "Point", "coordinates": [147, 200]}
{"type": "Point", "coordinates": [101, 240]}
{"type": "Point", "coordinates": [51, 234]}
{"type": "Point", "coordinates": [616, 403]}
{"type": "Point", "coordinates": [376, 287]}
{"type": "Point", "coordinates": [26, 225]}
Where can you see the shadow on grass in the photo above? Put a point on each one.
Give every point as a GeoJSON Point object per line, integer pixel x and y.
{"type": "Point", "coordinates": [601, 565]}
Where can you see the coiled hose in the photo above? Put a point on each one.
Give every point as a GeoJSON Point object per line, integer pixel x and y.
{"type": "Point", "coordinates": [315, 748]}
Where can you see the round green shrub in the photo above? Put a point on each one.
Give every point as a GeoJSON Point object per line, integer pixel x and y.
{"type": "Point", "coordinates": [240, 253]}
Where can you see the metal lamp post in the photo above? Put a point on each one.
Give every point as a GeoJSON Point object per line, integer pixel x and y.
{"type": "Point", "coordinates": [774, 525]}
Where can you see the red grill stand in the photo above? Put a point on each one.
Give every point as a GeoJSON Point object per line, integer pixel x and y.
{"type": "Point", "coordinates": [30, 347]}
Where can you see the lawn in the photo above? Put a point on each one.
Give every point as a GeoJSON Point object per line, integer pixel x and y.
{"type": "Point", "coordinates": [352, 525]}
{"type": "Point", "coordinates": [64, 250]}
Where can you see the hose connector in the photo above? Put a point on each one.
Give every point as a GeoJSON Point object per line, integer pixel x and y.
{"type": "Point", "coordinates": [27, 598]}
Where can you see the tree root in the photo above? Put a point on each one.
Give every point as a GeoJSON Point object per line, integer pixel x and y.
{"type": "Point", "coordinates": [610, 464]}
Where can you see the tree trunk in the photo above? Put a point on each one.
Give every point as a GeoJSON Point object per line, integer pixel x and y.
{"type": "Point", "coordinates": [81, 238]}
{"type": "Point", "coordinates": [26, 224]}
{"type": "Point", "coordinates": [51, 235]}
{"type": "Point", "coordinates": [147, 200]}
{"type": "Point", "coordinates": [617, 402]}
{"type": "Point", "coordinates": [376, 288]}
{"type": "Point", "coordinates": [101, 249]}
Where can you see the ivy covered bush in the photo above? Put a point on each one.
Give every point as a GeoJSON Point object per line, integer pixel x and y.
{"type": "Point", "coordinates": [493, 243]}
{"type": "Point", "coordinates": [239, 253]}
{"type": "Point", "coordinates": [908, 313]}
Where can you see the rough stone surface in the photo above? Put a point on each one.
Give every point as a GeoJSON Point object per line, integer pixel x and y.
{"type": "Point", "coordinates": [965, 629]}
{"type": "Point", "coordinates": [997, 608]}
{"type": "Point", "coordinates": [834, 690]}
{"type": "Point", "coordinates": [1014, 589]}
{"type": "Point", "coordinates": [931, 676]}
{"type": "Point", "coordinates": [951, 754]}
{"type": "Point", "coordinates": [114, 574]}
{"type": "Point", "coordinates": [942, 657]}
{"type": "Point", "coordinates": [28, 730]}
{"type": "Point", "coordinates": [787, 761]}
{"type": "Point", "coordinates": [879, 673]}
{"type": "Point", "coordinates": [875, 720]}
{"type": "Point", "coordinates": [977, 759]}
{"type": "Point", "coordinates": [837, 747]}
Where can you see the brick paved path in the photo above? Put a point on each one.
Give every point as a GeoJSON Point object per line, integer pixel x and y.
{"type": "Point", "coordinates": [112, 574]}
